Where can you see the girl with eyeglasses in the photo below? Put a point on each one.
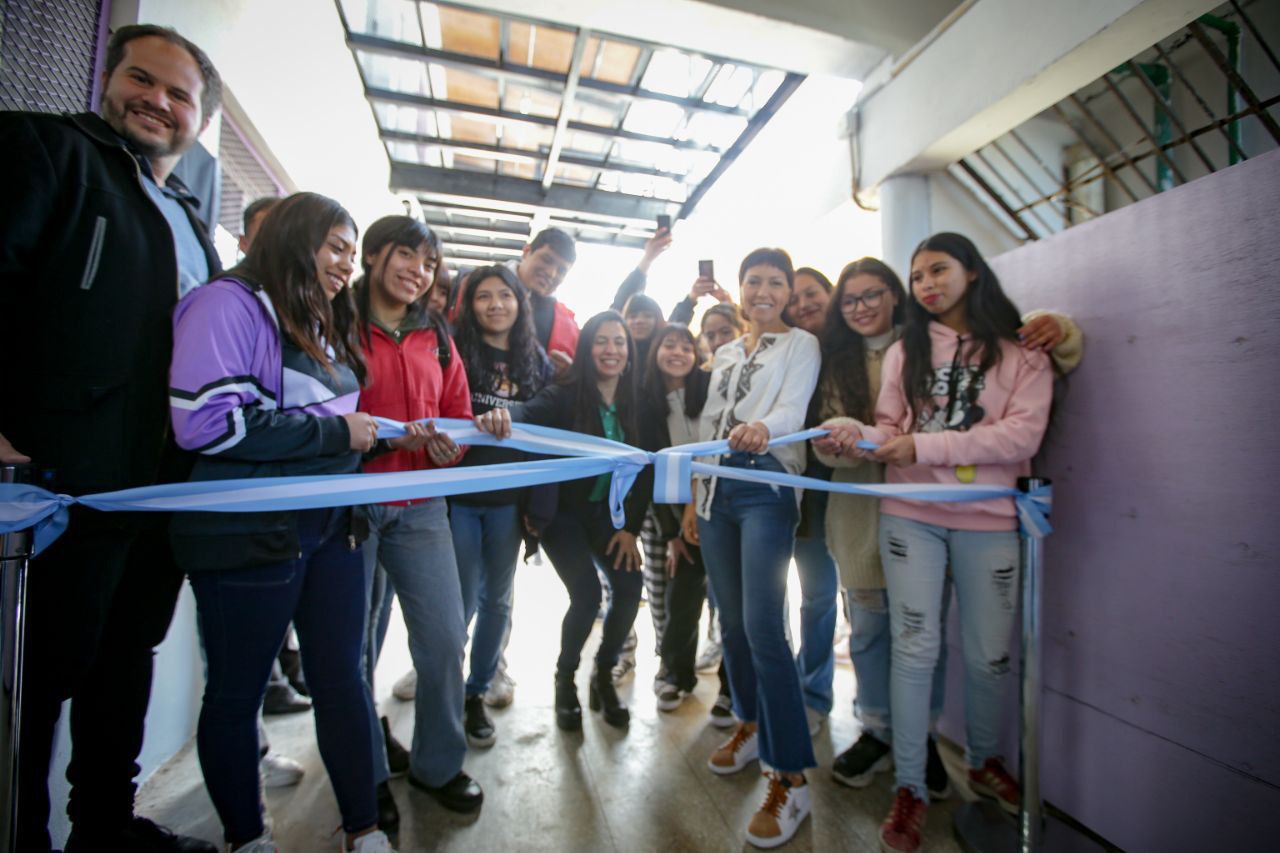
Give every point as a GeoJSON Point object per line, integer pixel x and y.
{"type": "Point", "coordinates": [963, 401]}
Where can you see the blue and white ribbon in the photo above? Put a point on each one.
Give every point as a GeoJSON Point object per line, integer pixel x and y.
{"type": "Point", "coordinates": [580, 456]}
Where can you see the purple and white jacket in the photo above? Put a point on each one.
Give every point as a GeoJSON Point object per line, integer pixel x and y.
{"type": "Point", "coordinates": [251, 404]}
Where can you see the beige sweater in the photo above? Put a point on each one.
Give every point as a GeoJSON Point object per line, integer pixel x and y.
{"type": "Point", "coordinates": [853, 521]}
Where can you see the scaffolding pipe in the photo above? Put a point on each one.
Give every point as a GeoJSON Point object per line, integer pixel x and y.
{"type": "Point", "coordinates": [1241, 86]}
{"type": "Point", "coordinates": [1233, 145]}
{"type": "Point", "coordinates": [1162, 180]}
{"type": "Point", "coordinates": [1232, 33]}
{"type": "Point", "coordinates": [1161, 95]}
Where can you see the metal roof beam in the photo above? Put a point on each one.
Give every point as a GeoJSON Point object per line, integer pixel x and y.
{"type": "Point", "coordinates": [524, 193]}
{"type": "Point", "coordinates": [566, 106]}
{"type": "Point", "coordinates": [784, 91]}
{"type": "Point", "coordinates": [499, 152]}
{"type": "Point", "coordinates": [459, 108]}
{"type": "Point", "coordinates": [524, 73]}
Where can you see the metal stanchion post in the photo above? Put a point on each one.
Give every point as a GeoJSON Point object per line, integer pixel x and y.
{"type": "Point", "coordinates": [982, 827]}
{"type": "Point", "coordinates": [15, 549]}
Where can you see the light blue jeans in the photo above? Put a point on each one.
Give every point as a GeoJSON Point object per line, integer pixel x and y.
{"type": "Point", "coordinates": [984, 569]}
{"type": "Point", "coordinates": [414, 547]}
{"type": "Point", "coordinates": [746, 547]}
{"type": "Point", "coordinates": [486, 542]}
{"type": "Point", "coordinates": [869, 649]}
{"type": "Point", "coordinates": [819, 598]}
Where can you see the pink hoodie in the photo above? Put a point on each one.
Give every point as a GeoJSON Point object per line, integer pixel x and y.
{"type": "Point", "coordinates": [991, 442]}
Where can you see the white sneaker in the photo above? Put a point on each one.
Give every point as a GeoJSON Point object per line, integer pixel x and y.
{"type": "Point", "coordinates": [373, 842]}
{"type": "Point", "coordinates": [816, 720]}
{"type": "Point", "coordinates": [261, 844]}
{"type": "Point", "coordinates": [735, 753]}
{"type": "Point", "coordinates": [670, 697]}
{"type": "Point", "coordinates": [709, 658]}
{"type": "Point", "coordinates": [279, 771]}
{"type": "Point", "coordinates": [502, 690]}
{"type": "Point", "coordinates": [406, 687]}
{"type": "Point", "coordinates": [780, 815]}
{"type": "Point", "coordinates": [722, 713]}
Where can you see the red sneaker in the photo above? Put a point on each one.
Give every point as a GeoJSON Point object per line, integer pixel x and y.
{"type": "Point", "coordinates": [993, 780]}
{"type": "Point", "coordinates": [903, 830]}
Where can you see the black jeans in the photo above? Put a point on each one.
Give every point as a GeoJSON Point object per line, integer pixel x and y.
{"type": "Point", "coordinates": [685, 594]}
{"type": "Point", "coordinates": [99, 601]}
{"type": "Point", "coordinates": [575, 541]}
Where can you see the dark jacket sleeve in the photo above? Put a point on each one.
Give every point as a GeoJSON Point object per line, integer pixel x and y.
{"type": "Point", "coordinates": [631, 285]}
{"type": "Point", "coordinates": [683, 312]}
{"type": "Point", "coordinates": [550, 407]}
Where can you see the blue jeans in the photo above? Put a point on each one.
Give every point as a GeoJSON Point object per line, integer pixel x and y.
{"type": "Point", "coordinates": [819, 596]}
{"type": "Point", "coordinates": [746, 547]}
{"type": "Point", "coordinates": [869, 649]}
{"type": "Point", "coordinates": [486, 542]}
{"type": "Point", "coordinates": [575, 541]}
{"type": "Point", "coordinates": [984, 569]}
{"type": "Point", "coordinates": [243, 618]}
{"type": "Point", "coordinates": [414, 547]}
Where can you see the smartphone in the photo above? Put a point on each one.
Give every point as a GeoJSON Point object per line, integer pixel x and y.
{"type": "Point", "coordinates": [664, 221]}
{"type": "Point", "coordinates": [706, 269]}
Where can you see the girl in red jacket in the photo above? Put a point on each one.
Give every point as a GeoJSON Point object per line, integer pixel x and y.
{"type": "Point", "coordinates": [415, 373]}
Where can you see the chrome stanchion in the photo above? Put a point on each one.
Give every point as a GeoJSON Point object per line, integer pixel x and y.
{"type": "Point", "coordinates": [982, 827]}
{"type": "Point", "coordinates": [15, 549]}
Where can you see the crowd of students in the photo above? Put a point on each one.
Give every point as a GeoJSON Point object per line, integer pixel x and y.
{"type": "Point", "coordinates": [279, 366]}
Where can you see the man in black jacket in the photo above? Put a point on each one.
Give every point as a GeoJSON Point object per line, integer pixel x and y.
{"type": "Point", "coordinates": [97, 242]}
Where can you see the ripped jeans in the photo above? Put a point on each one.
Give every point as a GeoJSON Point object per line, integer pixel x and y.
{"type": "Point", "coordinates": [984, 571]}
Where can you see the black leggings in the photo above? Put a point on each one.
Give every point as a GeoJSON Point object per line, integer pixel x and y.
{"type": "Point", "coordinates": [575, 541]}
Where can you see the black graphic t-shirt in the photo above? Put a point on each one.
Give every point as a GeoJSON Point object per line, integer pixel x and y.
{"type": "Point", "coordinates": [500, 393]}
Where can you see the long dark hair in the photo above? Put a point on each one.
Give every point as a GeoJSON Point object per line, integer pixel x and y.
{"type": "Point", "coordinates": [282, 262]}
{"type": "Point", "coordinates": [844, 350]}
{"type": "Point", "coordinates": [397, 231]}
{"type": "Point", "coordinates": [990, 314]}
{"type": "Point", "coordinates": [583, 377]}
{"type": "Point", "coordinates": [528, 366]}
{"type": "Point", "coordinates": [653, 390]}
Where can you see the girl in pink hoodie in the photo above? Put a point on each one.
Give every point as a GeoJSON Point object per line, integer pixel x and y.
{"type": "Point", "coordinates": [962, 402]}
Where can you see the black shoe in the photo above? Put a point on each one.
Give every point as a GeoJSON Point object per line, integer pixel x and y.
{"type": "Point", "coordinates": [480, 731]}
{"type": "Point", "coordinates": [283, 699]}
{"type": "Point", "coordinates": [139, 834]}
{"type": "Point", "coordinates": [858, 764]}
{"type": "Point", "coordinates": [568, 708]}
{"type": "Point", "coordinates": [388, 813]}
{"type": "Point", "coordinates": [397, 755]}
{"type": "Point", "coordinates": [935, 773]}
{"type": "Point", "coordinates": [604, 696]}
{"type": "Point", "coordinates": [459, 794]}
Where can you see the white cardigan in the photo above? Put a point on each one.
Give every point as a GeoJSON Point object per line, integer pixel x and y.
{"type": "Point", "coordinates": [772, 385]}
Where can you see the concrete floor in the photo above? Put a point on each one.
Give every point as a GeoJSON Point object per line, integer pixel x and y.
{"type": "Point", "coordinates": [644, 789]}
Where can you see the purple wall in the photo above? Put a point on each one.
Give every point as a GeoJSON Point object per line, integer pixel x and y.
{"type": "Point", "coordinates": [1162, 590]}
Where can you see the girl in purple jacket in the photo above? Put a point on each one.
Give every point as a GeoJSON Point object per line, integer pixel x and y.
{"type": "Point", "coordinates": [265, 379]}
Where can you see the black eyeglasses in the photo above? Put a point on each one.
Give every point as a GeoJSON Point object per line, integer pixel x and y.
{"type": "Point", "coordinates": [871, 299]}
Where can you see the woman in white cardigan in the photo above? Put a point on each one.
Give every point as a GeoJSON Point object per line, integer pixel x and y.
{"type": "Point", "coordinates": [760, 389]}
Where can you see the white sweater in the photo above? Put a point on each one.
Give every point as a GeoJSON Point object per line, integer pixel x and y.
{"type": "Point", "coordinates": [772, 385]}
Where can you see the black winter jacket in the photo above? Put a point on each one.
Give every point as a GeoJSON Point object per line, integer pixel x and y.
{"type": "Point", "coordinates": [554, 406]}
{"type": "Point", "coordinates": [88, 281]}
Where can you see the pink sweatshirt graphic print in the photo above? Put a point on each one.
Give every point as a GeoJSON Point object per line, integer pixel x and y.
{"type": "Point", "coordinates": [983, 428]}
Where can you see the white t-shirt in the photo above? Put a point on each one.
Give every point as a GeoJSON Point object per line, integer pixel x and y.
{"type": "Point", "coordinates": [772, 385]}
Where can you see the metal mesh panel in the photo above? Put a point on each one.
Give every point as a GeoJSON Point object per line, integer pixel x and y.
{"type": "Point", "coordinates": [47, 54]}
{"type": "Point", "coordinates": [244, 178]}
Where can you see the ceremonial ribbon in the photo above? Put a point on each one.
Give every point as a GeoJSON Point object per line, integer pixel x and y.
{"type": "Point", "coordinates": [581, 456]}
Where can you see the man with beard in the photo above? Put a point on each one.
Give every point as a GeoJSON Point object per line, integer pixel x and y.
{"type": "Point", "coordinates": [97, 242]}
